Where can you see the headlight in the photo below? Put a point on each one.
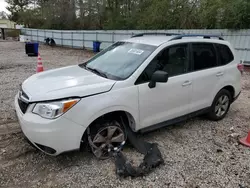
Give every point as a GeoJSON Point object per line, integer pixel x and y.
{"type": "Point", "coordinates": [52, 110]}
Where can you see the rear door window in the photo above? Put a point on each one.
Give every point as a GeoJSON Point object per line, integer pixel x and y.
{"type": "Point", "coordinates": [204, 56]}
{"type": "Point", "coordinates": [225, 54]}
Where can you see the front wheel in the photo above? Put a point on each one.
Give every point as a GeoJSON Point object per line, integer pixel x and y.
{"type": "Point", "coordinates": [220, 106]}
{"type": "Point", "coordinates": [106, 135]}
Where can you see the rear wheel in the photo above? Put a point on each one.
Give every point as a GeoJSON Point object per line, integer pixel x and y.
{"type": "Point", "coordinates": [106, 135]}
{"type": "Point", "coordinates": [220, 106]}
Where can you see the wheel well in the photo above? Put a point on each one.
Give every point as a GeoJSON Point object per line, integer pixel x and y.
{"type": "Point", "coordinates": [126, 116]}
{"type": "Point", "coordinates": [230, 89]}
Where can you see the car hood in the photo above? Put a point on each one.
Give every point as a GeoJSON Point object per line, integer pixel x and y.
{"type": "Point", "coordinates": [72, 81]}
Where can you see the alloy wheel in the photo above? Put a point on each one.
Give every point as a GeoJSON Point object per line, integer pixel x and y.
{"type": "Point", "coordinates": [105, 138]}
{"type": "Point", "coordinates": [222, 105]}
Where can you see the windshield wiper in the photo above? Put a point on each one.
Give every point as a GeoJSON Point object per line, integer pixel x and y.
{"type": "Point", "coordinates": [97, 72]}
{"type": "Point", "coordinates": [83, 65]}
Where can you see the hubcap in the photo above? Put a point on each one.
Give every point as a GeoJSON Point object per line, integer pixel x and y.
{"type": "Point", "coordinates": [221, 105]}
{"type": "Point", "coordinates": [111, 136]}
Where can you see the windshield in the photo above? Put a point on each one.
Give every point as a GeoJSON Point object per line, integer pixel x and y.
{"type": "Point", "coordinates": [120, 60]}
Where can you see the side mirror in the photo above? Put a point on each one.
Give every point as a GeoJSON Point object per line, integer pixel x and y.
{"type": "Point", "coordinates": [158, 76]}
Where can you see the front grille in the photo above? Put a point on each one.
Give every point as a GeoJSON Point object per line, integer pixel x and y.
{"type": "Point", "coordinates": [23, 105]}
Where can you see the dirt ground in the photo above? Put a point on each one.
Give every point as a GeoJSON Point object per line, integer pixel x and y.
{"type": "Point", "coordinates": [197, 153]}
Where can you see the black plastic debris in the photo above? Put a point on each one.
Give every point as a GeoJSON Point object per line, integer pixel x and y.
{"type": "Point", "coordinates": [152, 158]}
{"type": "Point", "coordinates": [50, 41]}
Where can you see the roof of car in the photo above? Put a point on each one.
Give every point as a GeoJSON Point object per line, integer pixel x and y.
{"type": "Point", "coordinates": [150, 40]}
{"type": "Point", "coordinates": [157, 40]}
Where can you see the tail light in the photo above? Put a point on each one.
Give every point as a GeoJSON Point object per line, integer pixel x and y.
{"type": "Point", "coordinates": [240, 67]}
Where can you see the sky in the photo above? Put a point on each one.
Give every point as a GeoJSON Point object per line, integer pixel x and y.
{"type": "Point", "coordinates": [3, 5]}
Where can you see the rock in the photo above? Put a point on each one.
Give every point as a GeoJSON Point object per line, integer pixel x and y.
{"type": "Point", "coordinates": [234, 135]}
{"type": "Point", "coordinates": [241, 186]}
{"type": "Point", "coordinates": [236, 144]}
{"type": "Point", "coordinates": [219, 150]}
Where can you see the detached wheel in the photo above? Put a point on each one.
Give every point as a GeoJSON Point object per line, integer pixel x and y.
{"type": "Point", "coordinates": [220, 106]}
{"type": "Point", "coordinates": [104, 136]}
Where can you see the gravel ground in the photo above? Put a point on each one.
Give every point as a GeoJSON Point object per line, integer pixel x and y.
{"type": "Point", "coordinates": [197, 153]}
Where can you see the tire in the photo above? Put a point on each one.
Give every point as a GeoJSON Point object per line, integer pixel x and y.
{"type": "Point", "coordinates": [105, 135]}
{"type": "Point", "coordinates": [220, 106]}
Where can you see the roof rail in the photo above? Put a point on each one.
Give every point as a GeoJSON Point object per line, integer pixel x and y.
{"type": "Point", "coordinates": [166, 34]}
{"type": "Point", "coordinates": [197, 35]}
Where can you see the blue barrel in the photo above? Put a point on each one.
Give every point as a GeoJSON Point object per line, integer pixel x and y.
{"type": "Point", "coordinates": [96, 46]}
{"type": "Point", "coordinates": [31, 48]}
{"type": "Point", "coordinates": [36, 45]}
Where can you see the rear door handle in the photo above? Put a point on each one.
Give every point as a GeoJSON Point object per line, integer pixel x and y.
{"type": "Point", "coordinates": [187, 83]}
{"type": "Point", "coordinates": [219, 74]}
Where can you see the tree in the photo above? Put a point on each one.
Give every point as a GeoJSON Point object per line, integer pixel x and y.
{"type": "Point", "coordinates": [16, 6]}
{"type": "Point", "coordinates": [3, 15]}
{"type": "Point", "coordinates": [131, 14]}
{"type": "Point", "coordinates": [236, 14]}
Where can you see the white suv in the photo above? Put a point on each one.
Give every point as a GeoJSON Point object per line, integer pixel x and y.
{"type": "Point", "coordinates": [145, 82]}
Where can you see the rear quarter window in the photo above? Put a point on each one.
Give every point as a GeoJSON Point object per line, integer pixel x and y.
{"type": "Point", "coordinates": [225, 54]}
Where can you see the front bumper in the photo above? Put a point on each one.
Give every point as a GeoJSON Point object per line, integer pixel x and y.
{"type": "Point", "coordinates": [50, 136]}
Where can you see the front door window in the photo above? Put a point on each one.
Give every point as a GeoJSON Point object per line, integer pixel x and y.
{"type": "Point", "coordinates": [173, 60]}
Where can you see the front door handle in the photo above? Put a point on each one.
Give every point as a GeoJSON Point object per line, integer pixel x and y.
{"type": "Point", "coordinates": [219, 74]}
{"type": "Point", "coordinates": [187, 83]}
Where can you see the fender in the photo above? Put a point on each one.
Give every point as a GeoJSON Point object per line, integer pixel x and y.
{"type": "Point", "coordinates": [104, 111]}
{"type": "Point", "coordinates": [219, 89]}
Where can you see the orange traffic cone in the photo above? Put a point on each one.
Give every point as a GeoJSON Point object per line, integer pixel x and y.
{"type": "Point", "coordinates": [246, 141]}
{"type": "Point", "coordinates": [39, 67]}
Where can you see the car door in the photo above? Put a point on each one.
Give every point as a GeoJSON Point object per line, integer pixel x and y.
{"type": "Point", "coordinates": [167, 100]}
{"type": "Point", "coordinates": [206, 75]}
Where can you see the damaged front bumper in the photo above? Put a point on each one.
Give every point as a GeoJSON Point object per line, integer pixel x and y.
{"type": "Point", "coordinates": [50, 136]}
{"type": "Point", "coordinates": [235, 98]}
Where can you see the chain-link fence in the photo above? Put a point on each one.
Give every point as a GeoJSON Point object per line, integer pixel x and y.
{"type": "Point", "coordinates": [240, 39]}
